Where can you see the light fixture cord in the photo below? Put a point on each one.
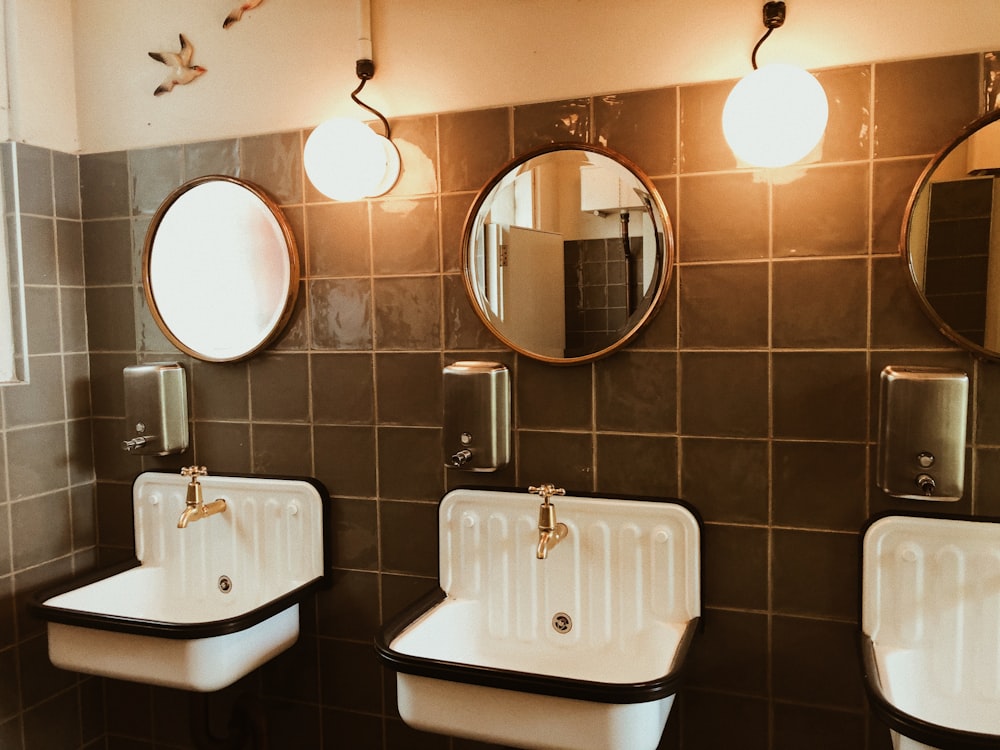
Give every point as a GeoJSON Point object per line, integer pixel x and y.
{"type": "Point", "coordinates": [379, 115]}
{"type": "Point", "coordinates": [753, 55]}
{"type": "Point", "coordinates": [774, 17]}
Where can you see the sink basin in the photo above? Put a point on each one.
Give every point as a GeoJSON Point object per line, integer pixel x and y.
{"type": "Point", "coordinates": [199, 607]}
{"type": "Point", "coordinates": [583, 649]}
{"type": "Point", "coordinates": [930, 640]}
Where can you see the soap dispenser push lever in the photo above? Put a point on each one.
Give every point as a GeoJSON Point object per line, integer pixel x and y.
{"type": "Point", "coordinates": [461, 458]}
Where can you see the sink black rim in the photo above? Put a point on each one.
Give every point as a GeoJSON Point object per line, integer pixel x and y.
{"type": "Point", "coordinates": [921, 730]}
{"type": "Point", "coordinates": [38, 606]}
{"type": "Point", "coordinates": [539, 684]}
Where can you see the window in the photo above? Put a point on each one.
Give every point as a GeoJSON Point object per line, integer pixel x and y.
{"type": "Point", "coordinates": [13, 335]}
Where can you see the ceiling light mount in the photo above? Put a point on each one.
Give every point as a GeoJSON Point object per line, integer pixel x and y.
{"type": "Point", "coordinates": [774, 18]}
{"type": "Point", "coordinates": [365, 69]}
{"type": "Point", "coordinates": [344, 158]}
{"type": "Point", "coordinates": [774, 15]}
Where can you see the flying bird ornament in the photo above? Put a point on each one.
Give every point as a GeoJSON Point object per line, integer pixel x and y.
{"type": "Point", "coordinates": [238, 12]}
{"type": "Point", "coordinates": [181, 69]}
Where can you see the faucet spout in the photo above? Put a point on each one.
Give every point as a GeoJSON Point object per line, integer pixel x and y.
{"type": "Point", "coordinates": [549, 538]}
{"type": "Point", "coordinates": [198, 512]}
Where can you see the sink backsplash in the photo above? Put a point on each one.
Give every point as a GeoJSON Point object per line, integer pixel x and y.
{"type": "Point", "coordinates": [625, 566]}
{"type": "Point", "coordinates": [268, 541]}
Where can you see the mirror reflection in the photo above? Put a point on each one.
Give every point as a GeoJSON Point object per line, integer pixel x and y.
{"type": "Point", "coordinates": [220, 269]}
{"type": "Point", "coordinates": [952, 235]}
{"type": "Point", "coordinates": [567, 253]}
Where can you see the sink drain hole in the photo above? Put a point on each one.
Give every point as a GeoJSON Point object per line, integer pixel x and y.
{"type": "Point", "coordinates": [225, 584]}
{"type": "Point", "coordinates": [562, 622]}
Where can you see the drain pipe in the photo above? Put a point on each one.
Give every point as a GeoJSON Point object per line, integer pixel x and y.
{"type": "Point", "coordinates": [627, 249]}
{"type": "Point", "coordinates": [247, 724]}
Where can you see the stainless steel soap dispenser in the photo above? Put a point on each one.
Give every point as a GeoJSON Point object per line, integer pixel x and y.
{"type": "Point", "coordinates": [476, 416]}
{"type": "Point", "coordinates": [156, 409]}
{"type": "Point", "coordinates": [921, 432]}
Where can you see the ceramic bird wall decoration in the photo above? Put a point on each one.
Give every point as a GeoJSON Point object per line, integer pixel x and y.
{"type": "Point", "coordinates": [238, 12]}
{"type": "Point", "coordinates": [181, 69]}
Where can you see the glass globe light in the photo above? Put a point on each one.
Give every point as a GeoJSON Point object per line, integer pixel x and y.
{"type": "Point", "coordinates": [347, 161]}
{"type": "Point", "coordinates": [775, 116]}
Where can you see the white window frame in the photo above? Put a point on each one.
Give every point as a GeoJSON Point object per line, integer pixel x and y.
{"type": "Point", "coordinates": [8, 370]}
{"type": "Point", "coordinates": [13, 325]}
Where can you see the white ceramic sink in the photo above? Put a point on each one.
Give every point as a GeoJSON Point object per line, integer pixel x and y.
{"type": "Point", "coordinates": [204, 605]}
{"type": "Point", "coordinates": [581, 650]}
{"type": "Point", "coordinates": [931, 630]}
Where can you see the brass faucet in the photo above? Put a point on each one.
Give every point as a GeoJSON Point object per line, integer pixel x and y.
{"type": "Point", "coordinates": [550, 533]}
{"type": "Point", "coordinates": [195, 509]}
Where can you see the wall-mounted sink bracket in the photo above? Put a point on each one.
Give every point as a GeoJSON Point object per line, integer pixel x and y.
{"type": "Point", "coordinates": [199, 607]}
{"type": "Point", "coordinates": [584, 650]}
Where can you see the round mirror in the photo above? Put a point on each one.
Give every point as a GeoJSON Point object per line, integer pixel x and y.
{"type": "Point", "coordinates": [950, 242]}
{"type": "Point", "coordinates": [220, 268]}
{"type": "Point", "coordinates": [567, 252]}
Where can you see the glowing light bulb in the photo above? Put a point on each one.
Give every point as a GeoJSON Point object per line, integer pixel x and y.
{"type": "Point", "coordinates": [775, 116]}
{"type": "Point", "coordinates": [347, 161]}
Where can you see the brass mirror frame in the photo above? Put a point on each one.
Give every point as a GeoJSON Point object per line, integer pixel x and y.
{"type": "Point", "coordinates": [923, 182]}
{"type": "Point", "coordinates": [290, 295]}
{"type": "Point", "coordinates": [666, 260]}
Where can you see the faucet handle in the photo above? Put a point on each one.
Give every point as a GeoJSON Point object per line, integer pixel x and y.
{"type": "Point", "coordinates": [546, 491]}
{"type": "Point", "coordinates": [194, 472]}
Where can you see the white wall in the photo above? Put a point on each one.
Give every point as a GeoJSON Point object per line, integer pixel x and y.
{"type": "Point", "coordinates": [40, 60]}
{"type": "Point", "coordinates": [290, 63]}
